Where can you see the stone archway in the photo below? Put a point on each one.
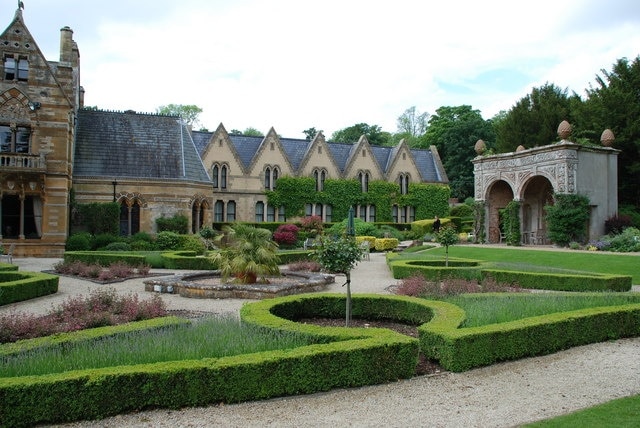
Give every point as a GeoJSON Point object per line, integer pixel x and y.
{"type": "Point", "coordinates": [498, 196]}
{"type": "Point", "coordinates": [536, 193]}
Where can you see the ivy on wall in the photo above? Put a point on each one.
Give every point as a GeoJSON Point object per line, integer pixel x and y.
{"type": "Point", "coordinates": [293, 193]}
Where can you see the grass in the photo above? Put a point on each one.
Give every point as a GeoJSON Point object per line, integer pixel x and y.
{"type": "Point", "coordinates": [582, 261]}
{"type": "Point", "coordinates": [483, 309]}
{"type": "Point", "coordinates": [619, 413]}
{"type": "Point", "coordinates": [209, 338]}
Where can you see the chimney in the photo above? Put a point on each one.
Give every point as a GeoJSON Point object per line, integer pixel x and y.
{"type": "Point", "coordinates": [66, 46]}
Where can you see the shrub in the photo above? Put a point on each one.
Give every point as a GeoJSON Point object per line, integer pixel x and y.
{"type": "Point", "coordinates": [168, 241]}
{"type": "Point", "coordinates": [463, 210]}
{"type": "Point", "coordinates": [142, 246]}
{"type": "Point", "coordinates": [79, 242]}
{"type": "Point", "coordinates": [208, 233]}
{"type": "Point", "coordinates": [616, 224]}
{"type": "Point", "coordinates": [312, 225]}
{"type": "Point", "coordinates": [193, 243]}
{"type": "Point", "coordinates": [118, 246]}
{"type": "Point", "coordinates": [104, 239]}
{"type": "Point", "coordinates": [567, 218]}
{"type": "Point", "coordinates": [286, 234]}
{"type": "Point", "coordinates": [178, 224]}
{"type": "Point", "coordinates": [627, 241]}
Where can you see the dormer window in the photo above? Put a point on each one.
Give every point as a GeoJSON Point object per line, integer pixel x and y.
{"type": "Point", "coordinates": [16, 69]}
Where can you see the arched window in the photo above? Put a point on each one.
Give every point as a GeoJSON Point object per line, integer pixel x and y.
{"type": "Point", "coordinates": [218, 211]}
{"type": "Point", "coordinates": [276, 173]}
{"type": "Point", "coordinates": [197, 216]}
{"type": "Point", "coordinates": [271, 213]}
{"type": "Point", "coordinates": [281, 214]}
{"type": "Point", "coordinates": [231, 211]}
{"type": "Point", "coordinates": [223, 177]}
{"type": "Point", "coordinates": [259, 212]}
{"type": "Point", "coordinates": [129, 218]}
{"type": "Point", "coordinates": [267, 178]}
{"type": "Point", "coordinates": [403, 181]}
{"type": "Point", "coordinates": [215, 176]}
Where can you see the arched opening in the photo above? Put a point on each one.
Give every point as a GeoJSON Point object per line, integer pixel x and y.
{"type": "Point", "coordinates": [499, 195]}
{"type": "Point", "coordinates": [536, 193]}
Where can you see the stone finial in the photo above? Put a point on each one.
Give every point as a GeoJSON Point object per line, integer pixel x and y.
{"type": "Point", "coordinates": [480, 147]}
{"type": "Point", "coordinates": [564, 130]}
{"type": "Point", "coordinates": [607, 138]}
{"type": "Point", "coordinates": [520, 148]}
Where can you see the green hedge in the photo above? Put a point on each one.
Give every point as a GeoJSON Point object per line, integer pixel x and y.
{"type": "Point", "coordinates": [353, 357]}
{"type": "Point", "coordinates": [8, 267]}
{"type": "Point", "coordinates": [560, 281]}
{"type": "Point", "coordinates": [187, 260]}
{"type": "Point", "coordinates": [18, 286]}
{"type": "Point", "coordinates": [286, 257]}
{"type": "Point", "coordinates": [471, 269]}
{"type": "Point", "coordinates": [460, 349]}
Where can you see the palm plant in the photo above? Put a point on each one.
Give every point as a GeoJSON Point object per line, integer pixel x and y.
{"type": "Point", "coordinates": [247, 253]}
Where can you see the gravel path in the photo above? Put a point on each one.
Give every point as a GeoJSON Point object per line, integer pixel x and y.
{"type": "Point", "coordinates": [502, 395]}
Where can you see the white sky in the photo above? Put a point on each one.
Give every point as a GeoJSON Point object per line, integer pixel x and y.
{"type": "Point", "coordinates": [295, 64]}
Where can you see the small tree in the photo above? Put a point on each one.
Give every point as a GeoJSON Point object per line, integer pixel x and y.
{"type": "Point", "coordinates": [339, 256]}
{"type": "Point", "coordinates": [446, 237]}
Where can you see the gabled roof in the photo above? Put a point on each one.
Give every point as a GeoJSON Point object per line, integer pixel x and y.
{"type": "Point", "coordinates": [136, 145]}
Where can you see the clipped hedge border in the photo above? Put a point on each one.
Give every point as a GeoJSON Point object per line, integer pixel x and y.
{"type": "Point", "coordinates": [342, 358]}
{"type": "Point", "coordinates": [18, 286]}
{"type": "Point", "coordinates": [8, 267]}
{"type": "Point", "coordinates": [187, 260]}
{"type": "Point", "coordinates": [460, 349]}
{"type": "Point", "coordinates": [560, 281]}
{"type": "Point", "coordinates": [287, 257]}
{"type": "Point", "coordinates": [470, 269]}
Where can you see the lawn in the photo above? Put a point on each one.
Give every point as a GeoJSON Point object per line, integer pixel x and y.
{"type": "Point", "coordinates": [518, 257]}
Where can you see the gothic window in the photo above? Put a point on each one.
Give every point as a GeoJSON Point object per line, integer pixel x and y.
{"type": "Point", "coordinates": [281, 214]}
{"type": "Point", "coordinates": [218, 211]}
{"type": "Point", "coordinates": [275, 173]}
{"type": "Point", "coordinates": [320, 175]}
{"type": "Point", "coordinates": [403, 181]}
{"type": "Point", "coordinates": [363, 177]}
{"type": "Point", "coordinates": [267, 178]}
{"type": "Point", "coordinates": [231, 211]}
{"type": "Point", "coordinates": [15, 139]}
{"type": "Point", "coordinates": [271, 213]}
{"type": "Point", "coordinates": [16, 70]}
{"type": "Point", "coordinates": [21, 218]}
{"type": "Point", "coordinates": [129, 218]}
{"type": "Point", "coordinates": [219, 176]}
{"type": "Point", "coordinates": [259, 212]}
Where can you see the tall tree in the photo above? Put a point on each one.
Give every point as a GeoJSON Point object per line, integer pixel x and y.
{"type": "Point", "coordinates": [614, 103]}
{"type": "Point", "coordinates": [455, 131]}
{"type": "Point", "coordinates": [310, 133]}
{"type": "Point", "coordinates": [412, 124]}
{"type": "Point", "coordinates": [188, 113]}
{"type": "Point", "coordinates": [375, 135]}
{"type": "Point", "coordinates": [534, 120]}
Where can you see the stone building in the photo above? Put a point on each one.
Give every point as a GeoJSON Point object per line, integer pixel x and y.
{"type": "Point", "coordinates": [532, 176]}
{"type": "Point", "coordinates": [152, 165]}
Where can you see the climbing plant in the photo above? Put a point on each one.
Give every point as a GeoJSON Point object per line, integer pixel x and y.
{"type": "Point", "coordinates": [567, 218]}
{"type": "Point", "coordinates": [293, 193]}
{"type": "Point", "coordinates": [511, 223]}
{"type": "Point", "coordinates": [478, 222]}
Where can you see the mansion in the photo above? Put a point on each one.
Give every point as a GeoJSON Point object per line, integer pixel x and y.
{"type": "Point", "coordinates": [53, 151]}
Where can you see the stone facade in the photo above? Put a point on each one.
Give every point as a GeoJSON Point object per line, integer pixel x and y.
{"type": "Point", "coordinates": [152, 165]}
{"type": "Point", "coordinates": [532, 176]}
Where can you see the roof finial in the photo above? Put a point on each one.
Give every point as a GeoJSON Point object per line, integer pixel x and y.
{"type": "Point", "coordinates": [20, 5]}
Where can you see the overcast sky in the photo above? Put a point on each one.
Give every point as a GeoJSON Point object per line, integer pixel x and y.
{"type": "Point", "coordinates": [294, 64]}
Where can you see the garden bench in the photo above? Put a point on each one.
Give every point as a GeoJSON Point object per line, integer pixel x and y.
{"type": "Point", "coordinates": [9, 255]}
{"type": "Point", "coordinates": [309, 243]}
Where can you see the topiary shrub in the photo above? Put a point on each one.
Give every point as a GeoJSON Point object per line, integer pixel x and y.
{"type": "Point", "coordinates": [193, 243]}
{"type": "Point", "coordinates": [567, 218]}
{"type": "Point", "coordinates": [168, 241]}
{"type": "Point", "coordinates": [79, 242]}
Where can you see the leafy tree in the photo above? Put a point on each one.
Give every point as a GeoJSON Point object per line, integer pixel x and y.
{"type": "Point", "coordinates": [252, 132]}
{"type": "Point", "coordinates": [446, 237]}
{"type": "Point", "coordinates": [412, 124]}
{"type": "Point", "coordinates": [534, 120]}
{"type": "Point", "coordinates": [310, 133]}
{"type": "Point", "coordinates": [374, 134]}
{"type": "Point", "coordinates": [614, 103]}
{"type": "Point", "coordinates": [339, 255]}
{"type": "Point", "coordinates": [247, 252]}
{"type": "Point", "coordinates": [567, 218]}
{"type": "Point", "coordinates": [188, 113]}
{"type": "Point", "coordinates": [455, 131]}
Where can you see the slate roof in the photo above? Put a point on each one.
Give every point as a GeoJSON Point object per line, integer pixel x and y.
{"type": "Point", "coordinates": [129, 144]}
{"type": "Point", "coordinates": [152, 146]}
